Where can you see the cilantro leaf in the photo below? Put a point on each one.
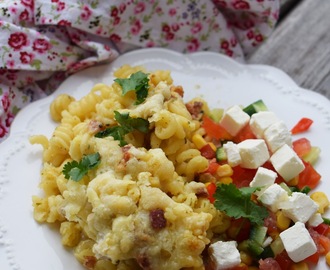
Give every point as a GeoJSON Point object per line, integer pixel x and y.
{"type": "Point", "coordinates": [77, 170]}
{"type": "Point", "coordinates": [127, 124]}
{"type": "Point", "coordinates": [236, 203]}
{"type": "Point", "coordinates": [130, 124]}
{"type": "Point", "coordinates": [138, 82]}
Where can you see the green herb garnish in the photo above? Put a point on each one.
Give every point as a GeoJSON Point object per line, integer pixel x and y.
{"type": "Point", "coordinates": [127, 124]}
{"type": "Point", "coordinates": [138, 82]}
{"type": "Point", "coordinates": [326, 220]}
{"type": "Point", "coordinates": [77, 170]}
{"type": "Point", "coordinates": [236, 203]}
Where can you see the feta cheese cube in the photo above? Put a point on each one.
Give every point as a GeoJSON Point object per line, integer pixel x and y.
{"type": "Point", "coordinates": [253, 152]}
{"type": "Point", "coordinates": [260, 121]}
{"type": "Point", "coordinates": [287, 163]}
{"type": "Point", "coordinates": [234, 119]}
{"type": "Point", "coordinates": [272, 196]}
{"type": "Point", "coordinates": [299, 207]}
{"type": "Point", "coordinates": [315, 220]}
{"type": "Point", "coordinates": [263, 178]}
{"type": "Point", "coordinates": [225, 254]}
{"type": "Point", "coordinates": [277, 135]}
{"type": "Point", "coordinates": [297, 242]}
{"type": "Point", "coordinates": [232, 152]}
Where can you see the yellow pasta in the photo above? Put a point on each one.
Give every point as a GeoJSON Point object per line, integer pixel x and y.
{"type": "Point", "coordinates": [60, 104]}
{"type": "Point", "coordinates": [142, 195]}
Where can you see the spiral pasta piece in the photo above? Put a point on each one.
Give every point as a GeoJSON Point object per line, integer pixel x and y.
{"type": "Point", "coordinates": [60, 103]}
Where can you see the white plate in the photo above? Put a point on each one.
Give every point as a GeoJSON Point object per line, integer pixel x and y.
{"type": "Point", "coordinates": [26, 245]}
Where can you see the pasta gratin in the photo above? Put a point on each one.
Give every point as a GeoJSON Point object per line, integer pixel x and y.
{"type": "Point", "coordinates": [141, 205]}
{"type": "Point", "coordinates": [128, 173]}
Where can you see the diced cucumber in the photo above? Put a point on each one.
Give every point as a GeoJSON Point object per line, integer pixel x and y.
{"type": "Point", "coordinates": [312, 155]}
{"type": "Point", "coordinates": [286, 188]}
{"type": "Point", "coordinates": [277, 246]}
{"type": "Point", "coordinates": [254, 247]}
{"type": "Point", "coordinates": [258, 234]}
{"type": "Point", "coordinates": [255, 107]}
{"type": "Point", "coordinates": [216, 114]}
{"type": "Point", "coordinates": [220, 154]}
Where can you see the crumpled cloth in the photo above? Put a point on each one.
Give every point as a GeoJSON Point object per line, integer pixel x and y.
{"type": "Point", "coordinates": [44, 41]}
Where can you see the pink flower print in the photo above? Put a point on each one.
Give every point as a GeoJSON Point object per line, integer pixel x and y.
{"type": "Point", "coordinates": [241, 4]}
{"type": "Point", "coordinates": [224, 44]}
{"type": "Point", "coordinates": [114, 12]}
{"type": "Point", "coordinates": [29, 80]}
{"type": "Point", "coordinates": [116, 21]}
{"type": "Point", "coordinates": [233, 42]}
{"type": "Point", "coordinates": [26, 58]}
{"type": "Point", "coordinates": [250, 34]}
{"type": "Point", "coordinates": [86, 13]}
{"type": "Point", "coordinates": [140, 7]}
{"type": "Point", "coordinates": [175, 27]}
{"type": "Point", "coordinates": [122, 8]}
{"type": "Point", "coordinates": [41, 45]}
{"type": "Point", "coordinates": [166, 28]}
{"type": "Point", "coordinates": [197, 27]}
{"type": "Point", "coordinates": [28, 3]}
{"type": "Point", "coordinates": [150, 44]}
{"type": "Point", "coordinates": [169, 36]}
{"type": "Point", "coordinates": [248, 24]}
{"type": "Point", "coordinates": [99, 30]}
{"type": "Point", "coordinates": [24, 16]}
{"type": "Point", "coordinates": [54, 1]}
{"type": "Point", "coordinates": [10, 64]}
{"type": "Point", "coordinates": [136, 28]}
{"type": "Point", "coordinates": [5, 101]}
{"type": "Point", "coordinates": [17, 40]}
{"type": "Point", "coordinates": [229, 53]}
{"type": "Point", "coordinates": [13, 10]}
{"type": "Point", "coordinates": [259, 38]}
{"type": "Point", "coordinates": [60, 6]}
{"type": "Point", "coordinates": [172, 12]}
{"type": "Point", "coordinates": [64, 23]}
{"type": "Point", "coordinates": [115, 38]}
{"type": "Point", "coordinates": [9, 119]}
{"type": "Point", "coordinates": [193, 45]}
{"type": "Point", "coordinates": [220, 3]}
{"type": "Point", "coordinates": [3, 131]}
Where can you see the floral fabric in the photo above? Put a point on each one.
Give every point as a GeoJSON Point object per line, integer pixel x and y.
{"type": "Point", "coordinates": [44, 41]}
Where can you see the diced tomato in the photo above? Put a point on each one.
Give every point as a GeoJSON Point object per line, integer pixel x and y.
{"type": "Point", "coordinates": [242, 177]}
{"type": "Point", "coordinates": [211, 188]}
{"type": "Point", "coordinates": [313, 258]}
{"type": "Point", "coordinates": [302, 146]}
{"type": "Point", "coordinates": [271, 224]}
{"type": "Point", "coordinates": [239, 229]}
{"type": "Point", "coordinates": [308, 177]}
{"type": "Point", "coordinates": [269, 264]}
{"type": "Point", "coordinates": [325, 243]}
{"type": "Point", "coordinates": [244, 134]}
{"type": "Point", "coordinates": [322, 242]}
{"type": "Point", "coordinates": [207, 151]}
{"type": "Point", "coordinates": [302, 125]}
{"type": "Point", "coordinates": [322, 229]}
{"type": "Point", "coordinates": [212, 168]}
{"type": "Point", "coordinates": [284, 261]}
{"type": "Point", "coordinates": [214, 130]}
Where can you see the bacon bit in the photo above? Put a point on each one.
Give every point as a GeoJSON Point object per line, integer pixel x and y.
{"type": "Point", "coordinates": [125, 150]}
{"type": "Point", "coordinates": [89, 262]}
{"type": "Point", "coordinates": [94, 126]}
{"type": "Point", "coordinates": [195, 109]}
{"type": "Point", "coordinates": [202, 193]}
{"type": "Point", "coordinates": [143, 261]}
{"type": "Point", "coordinates": [157, 219]}
{"type": "Point", "coordinates": [177, 89]}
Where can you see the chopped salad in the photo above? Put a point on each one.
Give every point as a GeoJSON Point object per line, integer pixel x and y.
{"type": "Point", "coordinates": [263, 179]}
